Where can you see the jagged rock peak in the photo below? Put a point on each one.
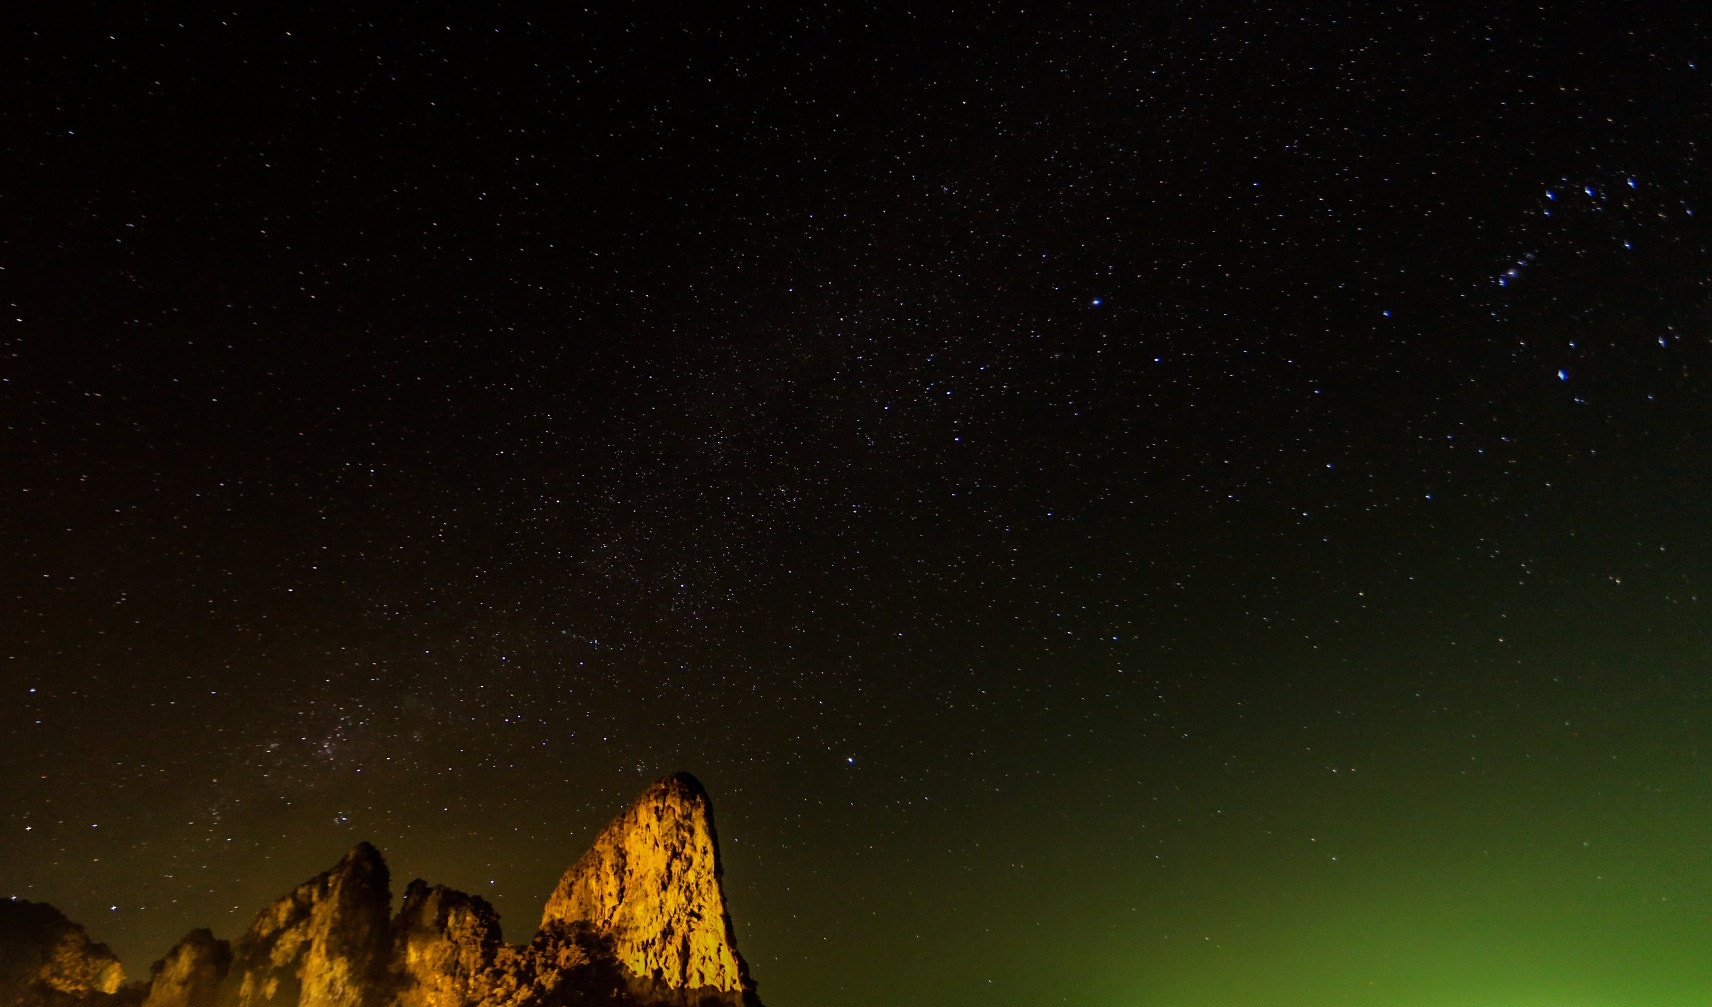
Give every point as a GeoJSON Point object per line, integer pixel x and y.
{"type": "Point", "coordinates": [363, 859]}
{"type": "Point", "coordinates": [328, 943]}
{"type": "Point", "coordinates": [651, 883]}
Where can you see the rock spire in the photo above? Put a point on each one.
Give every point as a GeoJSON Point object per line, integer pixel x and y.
{"type": "Point", "coordinates": [652, 882]}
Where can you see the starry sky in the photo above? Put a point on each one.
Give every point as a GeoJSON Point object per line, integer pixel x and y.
{"type": "Point", "coordinates": [1135, 505]}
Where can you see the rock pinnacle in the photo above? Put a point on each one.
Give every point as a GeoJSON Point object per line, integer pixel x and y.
{"type": "Point", "coordinates": [651, 882]}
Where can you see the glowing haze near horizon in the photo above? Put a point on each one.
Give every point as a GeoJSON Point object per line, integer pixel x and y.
{"type": "Point", "coordinates": [1196, 505]}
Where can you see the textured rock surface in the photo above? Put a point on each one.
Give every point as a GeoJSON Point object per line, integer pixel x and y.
{"type": "Point", "coordinates": [639, 921]}
{"type": "Point", "coordinates": [652, 883]}
{"type": "Point", "coordinates": [43, 954]}
{"type": "Point", "coordinates": [327, 944]}
{"type": "Point", "coordinates": [566, 967]}
{"type": "Point", "coordinates": [445, 945]}
{"type": "Point", "coordinates": [192, 973]}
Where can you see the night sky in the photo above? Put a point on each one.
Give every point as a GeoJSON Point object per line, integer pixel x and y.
{"type": "Point", "coordinates": [1152, 505]}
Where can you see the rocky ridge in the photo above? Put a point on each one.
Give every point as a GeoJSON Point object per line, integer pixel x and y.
{"type": "Point", "coordinates": [638, 921]}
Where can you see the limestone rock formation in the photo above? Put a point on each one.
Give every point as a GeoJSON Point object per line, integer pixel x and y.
{"type": "Point", "coordinates": [327, 944]}
{"type": "Point", "coordinates": [652, 883]}
{"type": "Point", "coordinates": [44, 956]}
{"type": "Point", "coordinates": [639, 921]}
{"type": "Point", "coordinates": [445, 945]}
{"type": "Point", "coordinates": [192, 973]}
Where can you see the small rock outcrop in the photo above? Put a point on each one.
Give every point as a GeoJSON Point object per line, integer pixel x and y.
{"type": "Point", "coordinates": [44, 956]}
{"type": "Point", "coordinates": [445, 945]}
{"type": "Point", "coordinates": [192, 973]}
{"type": "Point", "coordinates": [652, 883]}
{"type": "Point", "coordinates": [638, 921]}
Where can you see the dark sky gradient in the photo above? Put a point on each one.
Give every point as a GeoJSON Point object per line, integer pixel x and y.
{"type": "Point", "coordinates": [1178, 504]}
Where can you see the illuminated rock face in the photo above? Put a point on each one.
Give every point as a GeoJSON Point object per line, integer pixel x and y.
{"type": "Point", "coordinates": [445, 946]}
{"type": "Point", "coordinates": [327, 944]}
{"type": "Point", "coordinates": [192, 973]}
{"type": "Point", "coordinates": [651, 882]}
{"type": "Point", "coordinates": [44, 955]}
{"type": "Point", "coordinates": [639, 921]}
